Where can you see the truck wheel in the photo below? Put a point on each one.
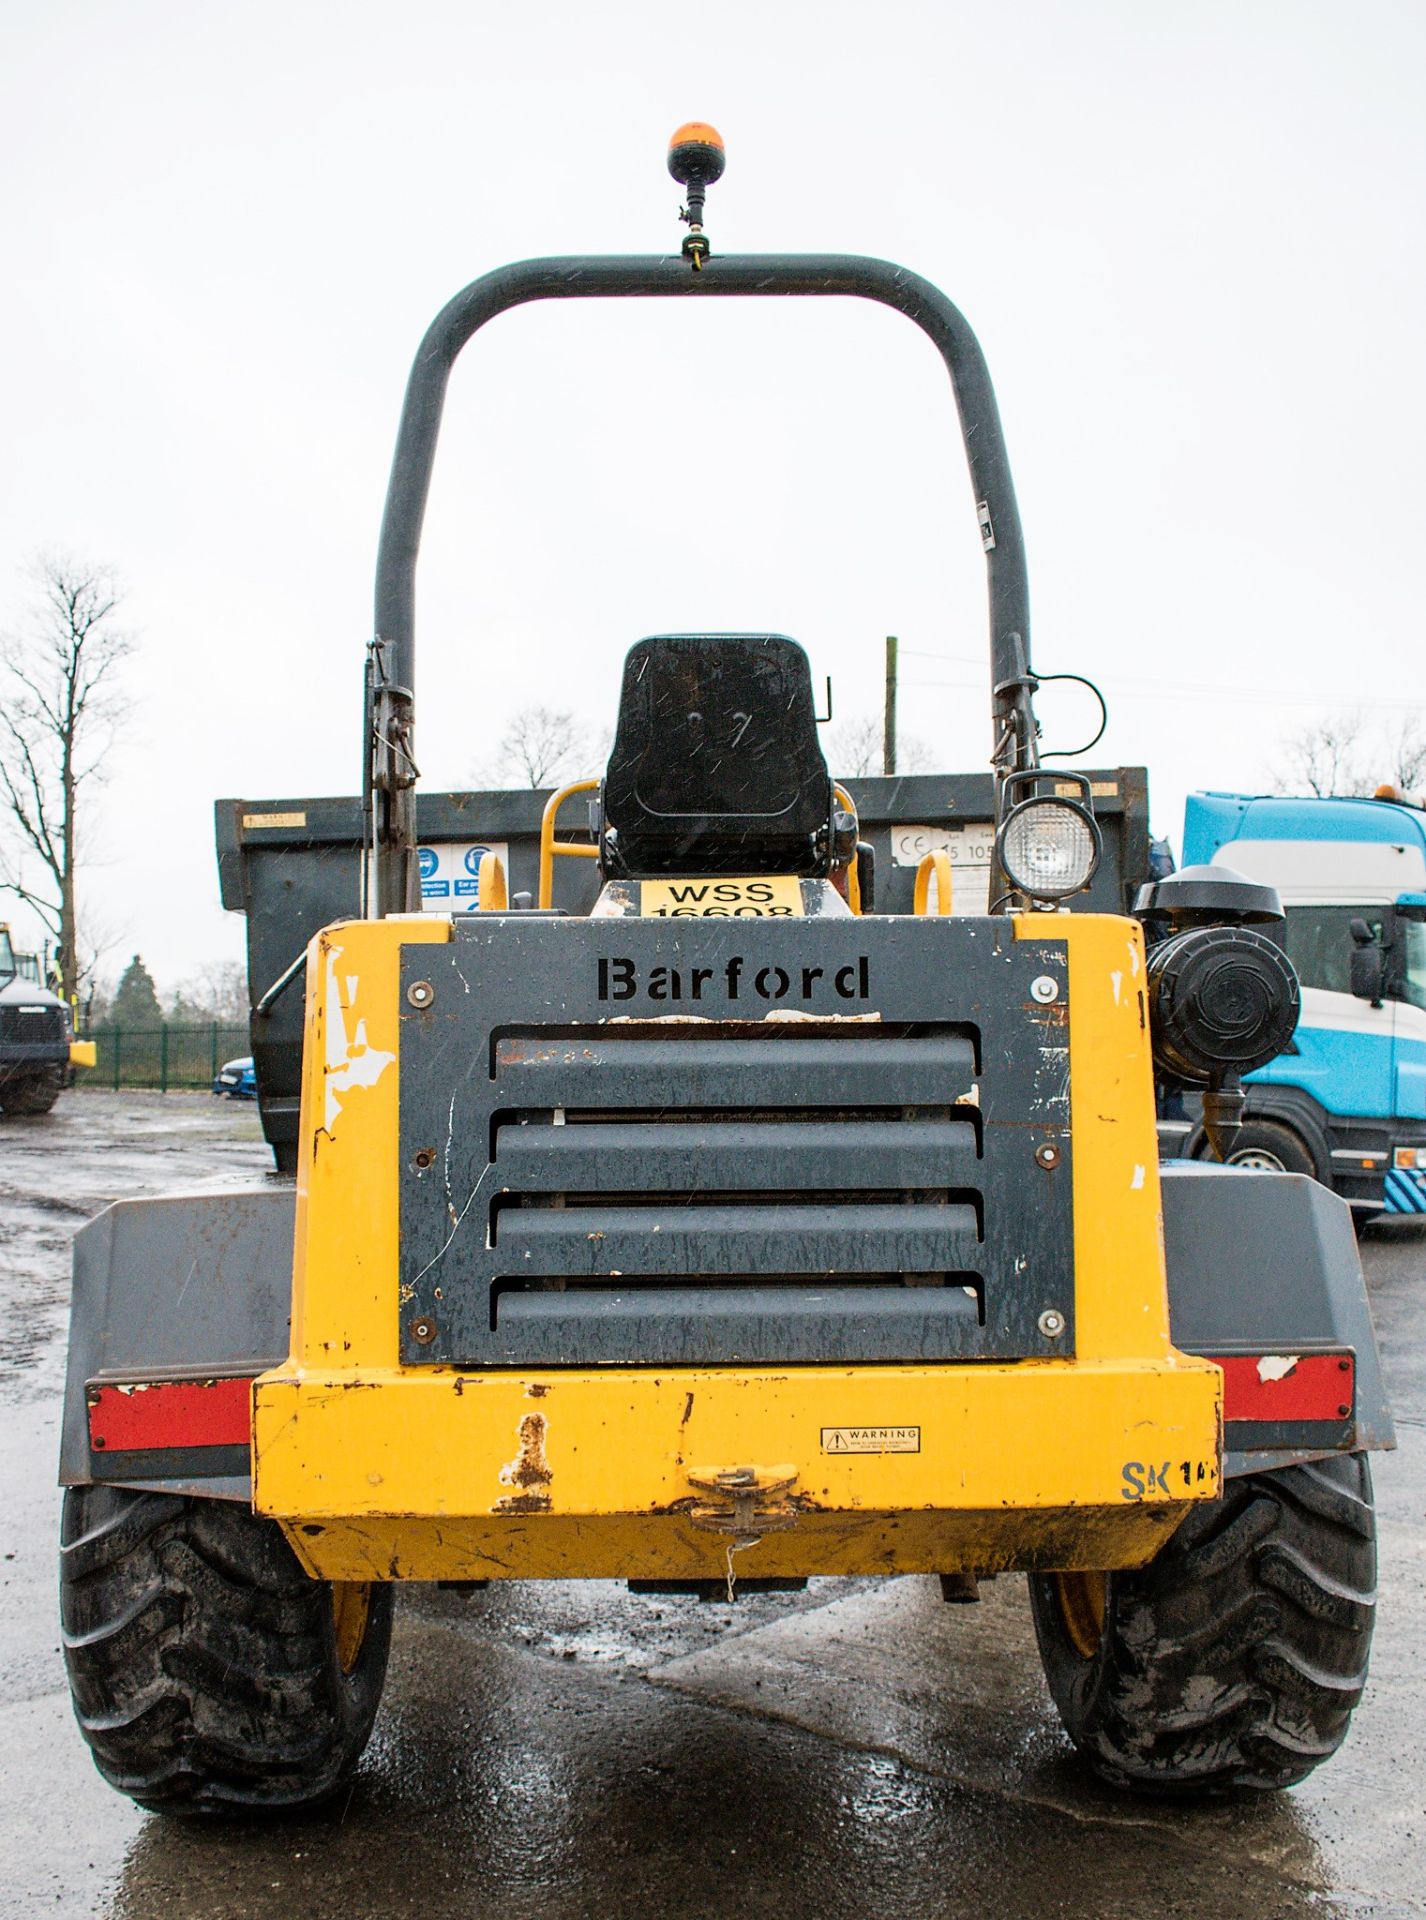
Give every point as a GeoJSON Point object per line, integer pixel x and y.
{"type": "Point", "coordinates": [1235, 1658]}
{"type": "Point", "coordinates": [1273, 1148]}
{"type": "Point", "coordinates": [209, 1673]}
{"type": "Point", "coordinates": [35, 1094]}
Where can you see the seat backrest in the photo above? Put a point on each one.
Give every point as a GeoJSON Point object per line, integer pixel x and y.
{"type": "Point", "coordinates": [716, 765]}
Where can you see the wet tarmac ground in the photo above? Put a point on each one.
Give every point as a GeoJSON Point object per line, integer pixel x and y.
{"type": "Point", "coordinates": [860, 1750]}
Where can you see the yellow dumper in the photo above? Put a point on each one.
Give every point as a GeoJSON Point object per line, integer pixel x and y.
{"type": "Point", "coordinates": [734, 1232]}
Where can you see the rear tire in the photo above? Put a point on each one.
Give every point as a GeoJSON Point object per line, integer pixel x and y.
{"type": "Point", "coordinates": [1274, 1148]}
{"type": "Point", "coordinates": [1235, 1658]}
{"type": "Point", "coordinates": [209, 1673]}
{"type": "Point", "coordinates": [35, 1094]}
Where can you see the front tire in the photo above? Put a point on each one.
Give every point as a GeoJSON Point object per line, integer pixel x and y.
{"type": "Point", "coordinates": [209, 1673]}
{"type": "Point", "coordinates": [1235, 1658]}
{"type": "Point", "coordinates": [35, 1094]}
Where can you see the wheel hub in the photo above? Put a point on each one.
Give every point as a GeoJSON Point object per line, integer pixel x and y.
{"type": "Point", "coordinates": [351, 1609]}
{"type": "Point", "coordinates": [1084, 1601]}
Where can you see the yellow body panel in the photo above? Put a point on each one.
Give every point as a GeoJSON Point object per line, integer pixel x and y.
{"type": "Point", "coordinates": [431, 1472]}
{"type": "Point", "coordinates": [83, 1053]}
{"type": "Point", "coordinates": [619, 1546]}
{"type": "Point", "coordinates": [1121, 1293]}
{"type": "Point", "coordinates": [996, 1447]}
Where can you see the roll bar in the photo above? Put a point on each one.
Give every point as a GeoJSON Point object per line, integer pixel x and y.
{"type": "Point", "coordinates": [390, 771]}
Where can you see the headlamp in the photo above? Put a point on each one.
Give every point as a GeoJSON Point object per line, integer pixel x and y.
{"type": "Point", "coordinates": [1049, 848]}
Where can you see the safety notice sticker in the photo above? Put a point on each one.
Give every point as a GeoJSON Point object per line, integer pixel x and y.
{"type": "Point", "coordinates": [871, 1439]}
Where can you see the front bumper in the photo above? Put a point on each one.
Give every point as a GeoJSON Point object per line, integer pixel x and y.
{"type": "Point", "coordinates": [21, 1057]}
{"type": "Point", "coordinates": [441, 1475]}
{"type": "Point", "coordinates": [1404, 1190]}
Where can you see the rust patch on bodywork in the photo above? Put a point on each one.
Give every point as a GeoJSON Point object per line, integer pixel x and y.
{"type": "Point", "coordinates": [523, 1503]}
{"type": "Point", "coordinates": [530, 1470]}
{"type": "Point", "coordinates": [744, 1501]}
{"type": "Point", "coordinates": [533, 1050]}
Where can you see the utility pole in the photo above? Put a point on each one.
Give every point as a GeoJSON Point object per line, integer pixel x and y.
{"type": "Point", "coordinates": [888, 733]}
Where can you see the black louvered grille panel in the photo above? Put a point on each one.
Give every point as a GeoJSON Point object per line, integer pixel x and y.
{"type": "Point", "coordinates": [652, 1190]}
{"type": "Point", "coordinates": [732, 1161]}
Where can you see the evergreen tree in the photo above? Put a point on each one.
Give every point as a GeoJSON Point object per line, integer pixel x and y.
{"type": "Point", "coordinates": [135, 1003]}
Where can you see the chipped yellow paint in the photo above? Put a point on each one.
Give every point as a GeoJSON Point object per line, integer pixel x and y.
{"type": "Point", "coordinates": [1121, 1287]}
{"type": "Point", "coordinates": [376, 1470]}
{"type": "Point", "coordinates": [1024, 1434]}
{"type": "Point", "coordinates": [344, 1310]}
{"type": "Point", "coordinates": [670, 1547]}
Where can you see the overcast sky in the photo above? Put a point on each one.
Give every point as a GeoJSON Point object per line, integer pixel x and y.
{"type": "Point", "coordinates": [1189, 236]}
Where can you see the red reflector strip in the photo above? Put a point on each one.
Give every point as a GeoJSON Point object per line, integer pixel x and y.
{"type": "Point", "coordinates": [170, 1413]}
{"type": "Point", "coordinates": [1271, 1386]}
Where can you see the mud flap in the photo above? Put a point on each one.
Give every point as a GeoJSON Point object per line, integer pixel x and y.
{"type": "Point", "coordinates": [1264, 1275]}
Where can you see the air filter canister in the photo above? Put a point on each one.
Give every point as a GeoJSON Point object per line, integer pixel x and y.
{"type": "Point", "coordinates": [1221, 999]}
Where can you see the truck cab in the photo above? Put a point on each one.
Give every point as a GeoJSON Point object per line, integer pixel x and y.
{"type": "Point", "coordinates": [1347, 1102]}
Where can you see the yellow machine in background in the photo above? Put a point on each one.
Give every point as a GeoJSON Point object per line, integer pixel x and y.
{"type": "Point", "coordinates": [38, 1047]}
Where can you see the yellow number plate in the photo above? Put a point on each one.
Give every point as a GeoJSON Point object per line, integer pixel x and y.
{"type": "Point", "coordinates": [720, 899]}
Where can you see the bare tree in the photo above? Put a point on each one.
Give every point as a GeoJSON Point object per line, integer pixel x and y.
{"type": "Point", "coordinates": [1324, 757]}
{"type": "Point", "coordinates": [542, 747]}
{"type": "Point", "coordinates": [1336, 755]}
{"type": "Point", "coordinates": [1406, 754]}
{"type": "Point", "coordinates": [217, 991]}
{"type": "Point", "coordinates": [913, 755]}
{"type": "Point", "coordinates": [59, 709]}
{"type": "Point", "coordinates": [854, 750]}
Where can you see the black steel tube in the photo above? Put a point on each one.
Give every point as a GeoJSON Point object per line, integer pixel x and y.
{"type": "Point", "coordinates": [280, 985]}
{"type": "Point", "coordinates": [776, 275]}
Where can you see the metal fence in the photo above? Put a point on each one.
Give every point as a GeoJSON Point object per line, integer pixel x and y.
{"type": "Point", "coordinates": [163, 1057]}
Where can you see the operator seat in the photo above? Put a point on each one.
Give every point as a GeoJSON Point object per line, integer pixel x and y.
{"type": "Point", "coordinates": [716, 766]}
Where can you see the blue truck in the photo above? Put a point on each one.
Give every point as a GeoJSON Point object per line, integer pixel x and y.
{"type": "Point", "coordinates": [1347, 1102]}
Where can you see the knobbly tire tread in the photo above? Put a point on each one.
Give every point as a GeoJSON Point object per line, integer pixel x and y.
{"type": "Point", "coordinates": [1235, 1658]}
{"type": "Point", "coordinates": [35, 1095]}
{"type": "Point", "coordinates": [202, 1658]}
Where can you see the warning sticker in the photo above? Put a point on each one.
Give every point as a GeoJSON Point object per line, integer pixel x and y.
{"type": "Point", "coordinates": [450, 873]}
{"type": "Point", "coordinates": [251, 820]}
{"type": "Point", "coordinates": [970, 847]}
{"type": "Point", "coordinates": [871, 1439]}
{"type": "Point", "coordinates": [773, 898]}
